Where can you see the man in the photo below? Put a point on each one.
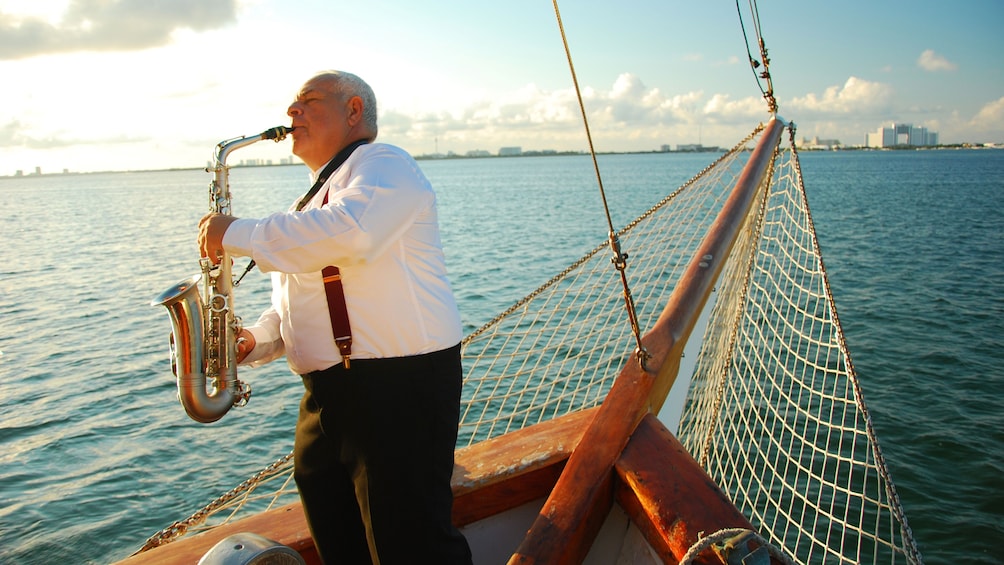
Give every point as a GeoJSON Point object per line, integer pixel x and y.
{"type": "Point", "coordinates": [377, 428]}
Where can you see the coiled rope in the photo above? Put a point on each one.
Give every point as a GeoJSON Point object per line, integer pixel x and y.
{"type": "Point", "coordinates": [728, 535]}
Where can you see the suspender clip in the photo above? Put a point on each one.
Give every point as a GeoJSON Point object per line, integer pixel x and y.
{"type": "Point", "coordinates": [344, 344]}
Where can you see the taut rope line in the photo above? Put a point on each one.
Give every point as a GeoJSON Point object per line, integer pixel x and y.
{"type": "Point", "coordinates": [619, 259]}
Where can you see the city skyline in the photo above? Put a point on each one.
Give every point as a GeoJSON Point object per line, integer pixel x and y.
{"type": "Point", "coordinates": [132, 85]}
{"type": "Point", "coordinates": [905, 139]}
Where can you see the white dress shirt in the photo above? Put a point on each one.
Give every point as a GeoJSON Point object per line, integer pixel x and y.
{"type": "Point", "coordinates": [380, 228]}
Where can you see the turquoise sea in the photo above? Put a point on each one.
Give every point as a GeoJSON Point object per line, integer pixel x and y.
{"type": "Point", "coordinates": [96, 453]}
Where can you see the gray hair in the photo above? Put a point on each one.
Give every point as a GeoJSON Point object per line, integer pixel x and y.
{"type": "Point", "coordinates": [346, 85]}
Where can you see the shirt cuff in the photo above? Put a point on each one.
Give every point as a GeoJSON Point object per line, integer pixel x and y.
{"type": "Point", "coordinates": [237, 239]}
{"type": "Point", "coordinates": [268, 347]}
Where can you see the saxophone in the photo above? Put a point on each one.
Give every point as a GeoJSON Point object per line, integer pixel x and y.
{"type": "Point", "coordinates": [204, 327]}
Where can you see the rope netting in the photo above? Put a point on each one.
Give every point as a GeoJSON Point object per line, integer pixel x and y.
{"type": "Point", "coordinates": [774, 412]}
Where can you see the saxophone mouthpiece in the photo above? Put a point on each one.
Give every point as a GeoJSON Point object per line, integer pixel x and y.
{"type": "Point", "coordinates": [277, 133]}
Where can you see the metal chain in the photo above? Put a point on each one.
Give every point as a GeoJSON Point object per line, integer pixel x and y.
{"type": "Point", "coordinates": [179, 528]}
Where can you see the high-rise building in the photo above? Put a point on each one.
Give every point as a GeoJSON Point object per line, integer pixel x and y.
{"type": "Point", "coordinates": [901, 134]}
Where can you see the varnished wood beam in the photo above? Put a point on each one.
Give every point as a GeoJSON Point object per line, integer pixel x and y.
{"type": "Point", "coordinates": [673, 328]}
{"type": "Point", "coordinates": [668, 495]}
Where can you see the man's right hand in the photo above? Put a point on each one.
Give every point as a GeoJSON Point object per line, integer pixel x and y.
{"type": "Point", "coordinates": [212, 227]}
{"type": "Point", "coordinates": [245, 343]}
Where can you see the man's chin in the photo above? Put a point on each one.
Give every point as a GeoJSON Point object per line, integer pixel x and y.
{"type": "Point", "coordinates": [299, 147]}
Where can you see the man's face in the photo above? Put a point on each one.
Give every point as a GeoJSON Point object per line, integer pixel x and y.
{"type": "Point", "coordinates": [321, 122]}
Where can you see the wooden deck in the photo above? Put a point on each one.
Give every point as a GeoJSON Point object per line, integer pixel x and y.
{"type": "Point", "coordinates": [488, 478]}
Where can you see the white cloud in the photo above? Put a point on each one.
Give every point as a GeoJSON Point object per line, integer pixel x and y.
{"type": "Point", "coordinates": [722, 108]}
{"type": "Point", "coordinates": [856, 96]}
{"type": "Point", "coordinates": [628, 115]}
{"type": "Point", "coordinates": [990, 118]}
{"type": "Point", "coordinates": [729, 62]}
{"type": "Point", "coordinates": [932, 62]}
{"type": "Point", "coordinates": [108, 25]}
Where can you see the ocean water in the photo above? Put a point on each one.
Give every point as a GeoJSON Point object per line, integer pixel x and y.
{"type": "Point", "coordinates": [96, 454]}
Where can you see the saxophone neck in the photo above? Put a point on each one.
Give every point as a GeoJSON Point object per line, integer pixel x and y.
{"type": "Point", "coordinates": [225, 147]}
{"type": "Point", "coordinates": [219, 190]}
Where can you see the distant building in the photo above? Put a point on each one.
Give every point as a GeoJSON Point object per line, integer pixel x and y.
{"type": "Point", "coordinates": [817, 143]}
{"type": "Point", "coordinates": [510, 151]}
{"type": "Point", "coordinates": [478, 153]}
{"type": "Point", "coordinates": [255, 163]}
{"type": "Point", "coordinates": [901, 134]}
{"type": "Point", "coordinates": [696, 148]}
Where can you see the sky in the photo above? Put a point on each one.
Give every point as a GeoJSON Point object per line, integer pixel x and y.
{"type": "Point", "coordinates": [108, 85]}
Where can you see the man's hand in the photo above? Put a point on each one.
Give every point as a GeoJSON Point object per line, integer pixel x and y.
{"type": "Point", "coordinates": [211, 229]}
{"type": "Point", "coordinates": [245, 343]}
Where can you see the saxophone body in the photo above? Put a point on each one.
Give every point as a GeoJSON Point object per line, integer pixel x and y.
{"type": "Point", "coordinates": [204, 326]}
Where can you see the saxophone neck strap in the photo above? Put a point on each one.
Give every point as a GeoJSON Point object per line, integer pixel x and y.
{"type": "Point", "coordinates": [332, 277]}
{"type": "Point", "coordinates": [327, 171]}
{"type": "Point", "coordinates": [330, 168]}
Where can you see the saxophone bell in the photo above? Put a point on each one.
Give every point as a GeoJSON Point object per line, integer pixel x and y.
{"type": "Point", "coordinates": [203, 403]}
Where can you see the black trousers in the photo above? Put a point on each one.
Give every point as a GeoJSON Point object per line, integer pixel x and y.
{"type": "Point", "coordinates": [373, 459]}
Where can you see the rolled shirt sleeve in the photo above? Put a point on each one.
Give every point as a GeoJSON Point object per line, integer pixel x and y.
{"type": "Point", "coordinates": [268, 344]}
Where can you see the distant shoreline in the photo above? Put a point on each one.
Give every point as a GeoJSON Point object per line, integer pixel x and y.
{"type": "Point", "coordinates": [440, 157]}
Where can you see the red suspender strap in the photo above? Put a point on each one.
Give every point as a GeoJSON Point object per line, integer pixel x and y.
{"type": "Point", "coordinates": [338, 313]}
{"type": "Point", "coordinates": [337, 310]}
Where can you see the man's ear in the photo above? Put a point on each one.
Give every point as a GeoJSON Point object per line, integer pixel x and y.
{"type": "Point", "coordinates": [355, 113]}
